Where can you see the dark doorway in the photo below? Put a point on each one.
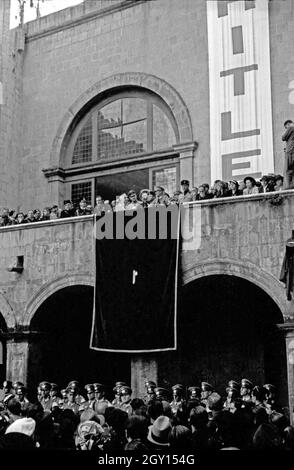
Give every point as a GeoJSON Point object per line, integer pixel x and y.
{"type": "Point", "coordinates": [227, 330]}
{"type": "Point", "coordinates": [110, 186]}
{"type": "Point", "coordinates": [60, 352]}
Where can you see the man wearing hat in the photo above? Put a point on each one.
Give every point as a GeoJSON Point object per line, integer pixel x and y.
{"type": "Point", "coordinates": [176, 197]}
{"type": "Point", "coordinates": [20, 395]}
{"type": "Point", "coordinates": [133, 203]}
{"type": "Point", "coordinates": [7, 391]}
{"type": "Point", "coordinates": [193, 396]}
{"type": "Point", "coordinates": [101, 402]}
{"type": "Point", "coordinates": [158, 434]}
{"type": "Point", "coordinates": [206, 390]}
{"type": "Point", "coordinates": [233, 391]}
{"type": "Point", "coordinates": [186, 195]}
{"type": "Point", "coordinates": [75, 387]}
{"type": "Point", "coordinates": [116, 402]}
{"type": "Point", "coordinates": [161, 198]}
{"type": "Point", "coordinates": [270, 401]}
{"type": "Point", "coordinates": [163, 395]}
{"type": "Point", "coordinates": [178, 404]}
{"type": "Point", "coordinates": [91, 402]}
{"type": "Point", "coordinates": [45, 398]}
{"type": "Point", "coordinates": [71, 403]}
{"type": "Point", "coordinates": [63, 400]}
{"type": "Point", "coordinates": [245, 392]}
{"type": "Point", "coordinates": [68, 210]}
{"type": "Point", "coordinates": [16, 384]}
{"type": "Point", "coordinates": [126, 397]}
{"type": "Point", "coordinates": [54, 394]}
{"type": "Point", "coordinates": [150, 393]}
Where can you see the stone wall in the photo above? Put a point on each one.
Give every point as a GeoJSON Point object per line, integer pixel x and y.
{"type": "Point", "coordinates": [62, 63]}
{"type": "Point", "coordinates": [242, 236]}
{"type": "Point", "coordinates": [56, 254]}
{"type": "Point", "coordinates": [69, 51]}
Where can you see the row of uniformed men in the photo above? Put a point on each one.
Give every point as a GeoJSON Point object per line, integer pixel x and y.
{"type": "Point", "coordinates": [71, 398]}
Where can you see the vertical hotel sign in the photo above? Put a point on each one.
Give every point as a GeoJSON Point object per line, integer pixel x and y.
{"type": "Point", "coordinates": [240, 90]}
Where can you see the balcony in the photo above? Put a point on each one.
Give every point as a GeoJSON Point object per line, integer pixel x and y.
{"type": "Point", "coordinates": [243, 236]}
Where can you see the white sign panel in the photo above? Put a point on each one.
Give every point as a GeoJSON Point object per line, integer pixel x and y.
{"type": "Point", "coordinates": [241, 138]}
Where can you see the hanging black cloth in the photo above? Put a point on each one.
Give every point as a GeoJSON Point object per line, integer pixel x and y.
{"type": "Point", "coordinates": [287, 270]}
{"type": "Point", "coordinates": [135, 297]}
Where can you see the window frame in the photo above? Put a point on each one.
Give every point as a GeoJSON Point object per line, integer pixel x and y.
{"type": "Point", "coordinates": [81, 181]}
{"type": "Point", "coordinates": [151, 99]}
{"type": "Point", "coordinates": [164, 167]}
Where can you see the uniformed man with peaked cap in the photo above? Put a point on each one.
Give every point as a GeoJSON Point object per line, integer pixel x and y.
{"type": "Point", "coordinates": [7, 391]}
{"type": "Point", "coordinates": [45, 399]}
{"type": "Point", "coordinates": [245, 393]}
{"type": "Point", "coordinates": [74, 386]}
{"type": "Point", "coordinates": [186, 195]}
{"type": "Point", "coordinates": [206, 390]}
{"type": "Point", "coordinates": [116, 402]}
{"type": "Point", "coordinates": [270, 401]}
{"type": "Point", "coordinates": [233, 392]}
{"type": "Point", "coordinates": [178, 404]}
{"type": "Point", "coordinates": [91, 402]}
{"type": "Point", "coordinates": [193, 396]}
{"type": "Point", "coordinates": [246, 389]}
{"type": "Point", "coordinates": [101, 402]}
{"type": "Point", "coordinates": [161, 393]}
{"type": "Point", "coordinates": [72, 403]}
{"type": "Point", "coordinates": [16, 384]}
{"type": "Point", "coordinates": [20, 394]}
{"type": "Point", "coordinates": [150, 393]}
{"type": "Point", "coordinates": [194, 392]}
{"type": "Point", "coordinates": [126, 397]}
{"type": "Point", "coordinates": [64, 399]}
{"type": "Point", "coordinates": [233, 384]}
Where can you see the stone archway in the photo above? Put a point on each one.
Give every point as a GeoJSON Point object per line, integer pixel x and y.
{"type": "Point", "coordinates": [50, 287]}
{"type": "Point", "coordinates": [134, 79]}
{"type": "Point", "coordinates": [59, 344]}
{"type": "Point", "coordinates": [227, 329]}
{"type": "Point", "coordinates": [249, 271]}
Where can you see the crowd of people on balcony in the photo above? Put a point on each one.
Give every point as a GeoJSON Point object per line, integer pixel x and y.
{"type": "Point", "coordinates": [146, 198]}
{"type": "Point", "coordinates": [182, 419]}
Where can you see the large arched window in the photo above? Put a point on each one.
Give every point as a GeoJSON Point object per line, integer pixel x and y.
{"type": "Point", "coordinates": [121, 132]}
{"type": "Point", "coordinates": [128, 124]}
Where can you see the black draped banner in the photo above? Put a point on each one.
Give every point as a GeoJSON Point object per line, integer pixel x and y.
{"type": "Point", "coordinates": [135, 299]}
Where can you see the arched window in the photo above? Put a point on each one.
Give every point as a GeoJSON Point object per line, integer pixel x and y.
{"type": "Point", "coordinates": [120, 132]}
{"type": "Point", "coordinates": [128, 124]}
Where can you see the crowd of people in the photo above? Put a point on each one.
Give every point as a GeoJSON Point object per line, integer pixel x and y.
{"type": "Point", "coordinates": [191, 419]}
{"type": "Point", "coordinates": [146, 198]}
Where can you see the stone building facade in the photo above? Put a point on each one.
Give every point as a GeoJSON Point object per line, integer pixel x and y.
{"type": "Point", "coordinates": [109, 94]}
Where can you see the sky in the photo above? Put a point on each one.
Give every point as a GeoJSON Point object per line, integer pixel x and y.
{"type": "Point", "coordinates": [46, 7]}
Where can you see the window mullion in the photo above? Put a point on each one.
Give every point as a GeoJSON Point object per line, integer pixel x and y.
{"type": "Point", "coordinates": [94, 136]}
{"type": "Point", "coordinates": [149, 126]}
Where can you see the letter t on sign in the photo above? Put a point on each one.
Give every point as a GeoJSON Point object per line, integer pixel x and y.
{"type": "Point", "coordinates": [222, 6]}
